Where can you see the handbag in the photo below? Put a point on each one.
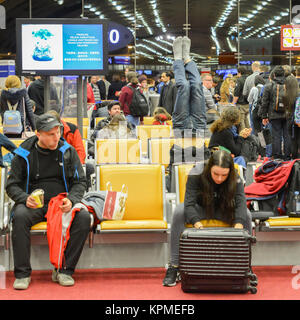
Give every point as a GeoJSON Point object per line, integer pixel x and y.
{"type": "Point", "coordinates": [114, 205]}
{"type": "Point", "coordinates": [265, 137]}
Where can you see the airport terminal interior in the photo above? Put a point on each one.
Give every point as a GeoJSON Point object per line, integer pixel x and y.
{"type": "Point", "coordinates": [141, 94]}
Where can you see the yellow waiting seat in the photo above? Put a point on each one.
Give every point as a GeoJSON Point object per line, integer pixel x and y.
{"type": "Point", "coordinates": [149, 121]}
{"type": "Point", "coordinates": [159, 148]}
{"type": "Point", "coordinates": [98, 119]}
{"type": "Point", "coordinates": [17, 142]}
{"type": "Point", "coordinates": [85, 132]}
{"type": "Point", "coordinates": [117, 151]}
{"type": "Point", "coordinates": [282, 222]}
{"type": "Point", "coordinates": [145, 132]}
{"type": "Point", "coordinates": [145, 208]}
{"type": "Point", "coordinates": [181, 175]}
{"type": "Point", "coordinates": [85, 121]}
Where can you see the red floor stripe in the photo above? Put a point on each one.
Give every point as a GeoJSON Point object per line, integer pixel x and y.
{"type": "Point", "coordinates": [274, 283]}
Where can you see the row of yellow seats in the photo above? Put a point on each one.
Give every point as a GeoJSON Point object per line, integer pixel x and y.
{"type": "Point", "coordinates": [130, 150]}
{"type": "Point", "coordinates": [146, 204]}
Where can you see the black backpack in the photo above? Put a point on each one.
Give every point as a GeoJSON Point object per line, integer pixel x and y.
{"type": "Point", "coordinates": [185, 155]}
{"type": "Point", "coordinates": [251, 148]}
{"type": "Point", "coordinates": [139, 105]}
{"type": "Point", "coordinates": [278, 92]}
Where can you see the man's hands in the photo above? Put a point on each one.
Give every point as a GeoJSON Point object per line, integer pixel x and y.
{"type": "Point", "coordinates": [66, 205]}
{"type": "Point", "coordinates": [31, 203]}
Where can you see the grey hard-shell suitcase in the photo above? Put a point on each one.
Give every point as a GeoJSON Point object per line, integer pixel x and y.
{"type": "Point", "coordinates": [216, 260]}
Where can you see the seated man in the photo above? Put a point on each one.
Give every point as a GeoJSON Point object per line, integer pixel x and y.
{"type": "Point", "coordinates": [113, 109]}
{"type": "Point", "coordinates": [45, 162]}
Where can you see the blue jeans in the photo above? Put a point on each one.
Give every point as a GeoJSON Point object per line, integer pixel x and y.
{"type": "Point", "coordinates": [280, 133]}
{"type": "Point", "coordinates": [269, 146]}
{"type": "Point", "coordinates": [135, 121]}
{"type": "Point", "coordinates": [7, 144]}
{"type": "Point", "coordinates": [189, 106]}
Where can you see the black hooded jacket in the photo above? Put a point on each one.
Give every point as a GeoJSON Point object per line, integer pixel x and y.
{"type": "Point", "coordinates": [36, 93]}
{"type": "Point", "coordinates": [20, 96]}
{"type": "Point", "coordinates": [23, 170]}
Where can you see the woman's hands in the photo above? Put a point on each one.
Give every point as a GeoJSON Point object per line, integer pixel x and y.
{"type": "Point", "coordinates": [245, 133]}
{"type": "Point", "coordinates": [238, 226]}
{"type": "Point", "coordinates": [198, 225]}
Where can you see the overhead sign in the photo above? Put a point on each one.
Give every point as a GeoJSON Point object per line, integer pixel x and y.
{"type": "Point", "coordinates": [118, 36]}
{"type": "Point", "coordinates": [290, 38]}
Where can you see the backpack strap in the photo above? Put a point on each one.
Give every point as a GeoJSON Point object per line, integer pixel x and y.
{"type": "Point", "coordinates": [10, 107]}
{"type": "Point", "coordinates": [277, 96]}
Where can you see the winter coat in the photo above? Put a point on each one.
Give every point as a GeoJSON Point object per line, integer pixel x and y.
{"type": "Point", "coordinates": [120, 132]}
{"type": "Point", "coordinates": [72, 135]}
{"type": "Point", "coordinates": [269, 178]}
{"type": "Point", "coordinates": [125, 98]}
{"type": "Point", "coordinates": [115, 87]}
{"type": "Point", "coordinates": [225, 138]}
{"type": "Point", "coordinates": [15, 95]}
{"type": "Point", "coordinates": [103, 123]}
{"type": "Point", "coordinates": [22, 168]}
{"type": "Point", "coordinates": [168, 96]}
{"type": "Point", "coordinates": [36, 93]}
{"type": "Point", "coordinates": [95, 200]}
{"type": "Point", "coordinates": [193, 207]}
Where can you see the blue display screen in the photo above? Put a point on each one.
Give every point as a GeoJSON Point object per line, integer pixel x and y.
{"type": "Point", "coordinates": [63, 47]}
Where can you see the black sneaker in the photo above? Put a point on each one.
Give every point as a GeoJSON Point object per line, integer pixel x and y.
{"type": "Point", "coordinates": [172, 276]}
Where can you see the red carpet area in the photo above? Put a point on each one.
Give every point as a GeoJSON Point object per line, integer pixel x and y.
{"type": "Point", "coordinates": [274, 283]}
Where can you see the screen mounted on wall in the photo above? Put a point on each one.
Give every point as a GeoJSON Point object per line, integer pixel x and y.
{"type": "Point", "coordinates": [61, 46]}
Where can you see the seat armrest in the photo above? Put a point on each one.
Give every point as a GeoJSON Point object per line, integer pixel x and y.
{"type": "Point", "coordinates": [262, 215]}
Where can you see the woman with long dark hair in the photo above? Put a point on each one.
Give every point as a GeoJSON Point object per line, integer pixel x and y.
{"type": "Point", "coordinates": [214, 192]}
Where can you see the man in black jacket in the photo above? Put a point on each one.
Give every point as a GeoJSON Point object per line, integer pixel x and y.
{"type": "Point", "coordinates": [239, 98]}
{"type": "Point", "coordinates": [278, 119]}
{"type": "Point", "coordinates": [36, 93]}
{"type": "Point", "coordinates": [168, 93]}
{"type": "Point", "coordinates": [46, 162]}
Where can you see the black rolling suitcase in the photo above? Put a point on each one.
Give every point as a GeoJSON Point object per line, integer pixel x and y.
{"type": "Point", "coordinates": [216, 260]}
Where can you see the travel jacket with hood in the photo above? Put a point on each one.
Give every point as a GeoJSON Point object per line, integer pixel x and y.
{"type": "Point", "coordinates": [72, 135]}
{"type": "Point", "coordinates": [18, 182]}
{"type": "Point", "coordinates": [15, 95]}
{"type": "Point", "coordinates": [268, 101]}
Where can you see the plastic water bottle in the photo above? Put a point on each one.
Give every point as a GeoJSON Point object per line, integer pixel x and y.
{"type": "Point", "coordinates": [296, 202]}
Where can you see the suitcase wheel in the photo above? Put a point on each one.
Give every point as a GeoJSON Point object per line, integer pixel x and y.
{"type": "Point", "coordinates": [253, 277]}
{"type": "Point", "coordinates": [253, 283]}
{"type": "Point", "coordinates": [253, 290]}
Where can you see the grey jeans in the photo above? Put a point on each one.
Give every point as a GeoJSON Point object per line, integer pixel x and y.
{"type": "Point", "coordinates": [177, 227]}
